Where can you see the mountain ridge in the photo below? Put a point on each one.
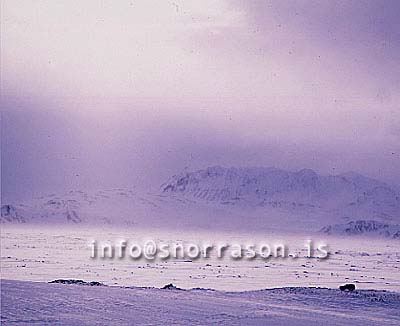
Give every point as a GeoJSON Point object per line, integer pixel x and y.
{"type": "Point", "coordinates": [259, 186]}
{"type": "Point", "coordinates": [219, 197]}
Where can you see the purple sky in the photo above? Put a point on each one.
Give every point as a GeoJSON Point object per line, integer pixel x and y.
{"type": "Point", "coordinates": [105, 93]}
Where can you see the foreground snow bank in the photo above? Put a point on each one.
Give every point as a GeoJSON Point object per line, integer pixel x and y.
{"type": "Point", "coordinates": [27, 303]}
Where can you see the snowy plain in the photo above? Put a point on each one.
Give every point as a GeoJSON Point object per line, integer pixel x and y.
{"type": "Point", "coordinates": [33, 256]}
{"type": "Point", "coordinates": [29, 303]}
{"type": "Point", "coordinates": [48, 238]}
{"type": "Point", "coordinates": [38, 253]}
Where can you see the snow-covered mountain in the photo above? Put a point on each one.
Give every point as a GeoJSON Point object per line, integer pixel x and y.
{"type": "Point", "coordinates": [117, 207]}
{"type": "Point", "coordinates": [363, 227]}
{"type": "Point", "coordinates": [10, 214]}
{"type": "Point", "coordinates": [218, 197]}
{"type": "Point", "coordinates": [101, 207]}
{"type": "Point", "coordinates": [348, 195]}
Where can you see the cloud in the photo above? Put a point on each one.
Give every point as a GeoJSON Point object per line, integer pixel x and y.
{"type": "Point", "coordinates": [152, 87]}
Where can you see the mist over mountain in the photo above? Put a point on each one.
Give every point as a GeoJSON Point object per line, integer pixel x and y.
{"type": "Point", "coordinates": [346, 195]}
{"type": "Point", "coordinates": [223, 198]}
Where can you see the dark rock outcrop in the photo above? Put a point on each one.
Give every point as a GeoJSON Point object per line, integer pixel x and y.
{"type": "Point", "coordinates": [347, 287]}
{"type": "Point", "coordinates": [78, 282]}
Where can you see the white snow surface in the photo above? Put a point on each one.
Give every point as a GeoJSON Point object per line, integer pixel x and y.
{"type": "Point", "coordinates": [29, 303]}
{"type": "Point", "coordinates": [43, 254]}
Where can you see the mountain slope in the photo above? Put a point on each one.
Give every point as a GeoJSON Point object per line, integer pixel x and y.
{"type": "Point", "coordinates": [363, 227]}
{"type": "Point", "coordinates": [346, 195]}
{"type": "Point", "coordinates": [223, 198]}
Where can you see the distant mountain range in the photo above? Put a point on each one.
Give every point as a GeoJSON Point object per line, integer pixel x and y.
{"type": "Point", "coordinates": [346, 195]}
{"type": "Point", "coordinates": [219, 197]}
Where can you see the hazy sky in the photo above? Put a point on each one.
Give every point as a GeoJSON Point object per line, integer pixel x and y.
{"type": "Point", "coordinates": [114, 93]}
